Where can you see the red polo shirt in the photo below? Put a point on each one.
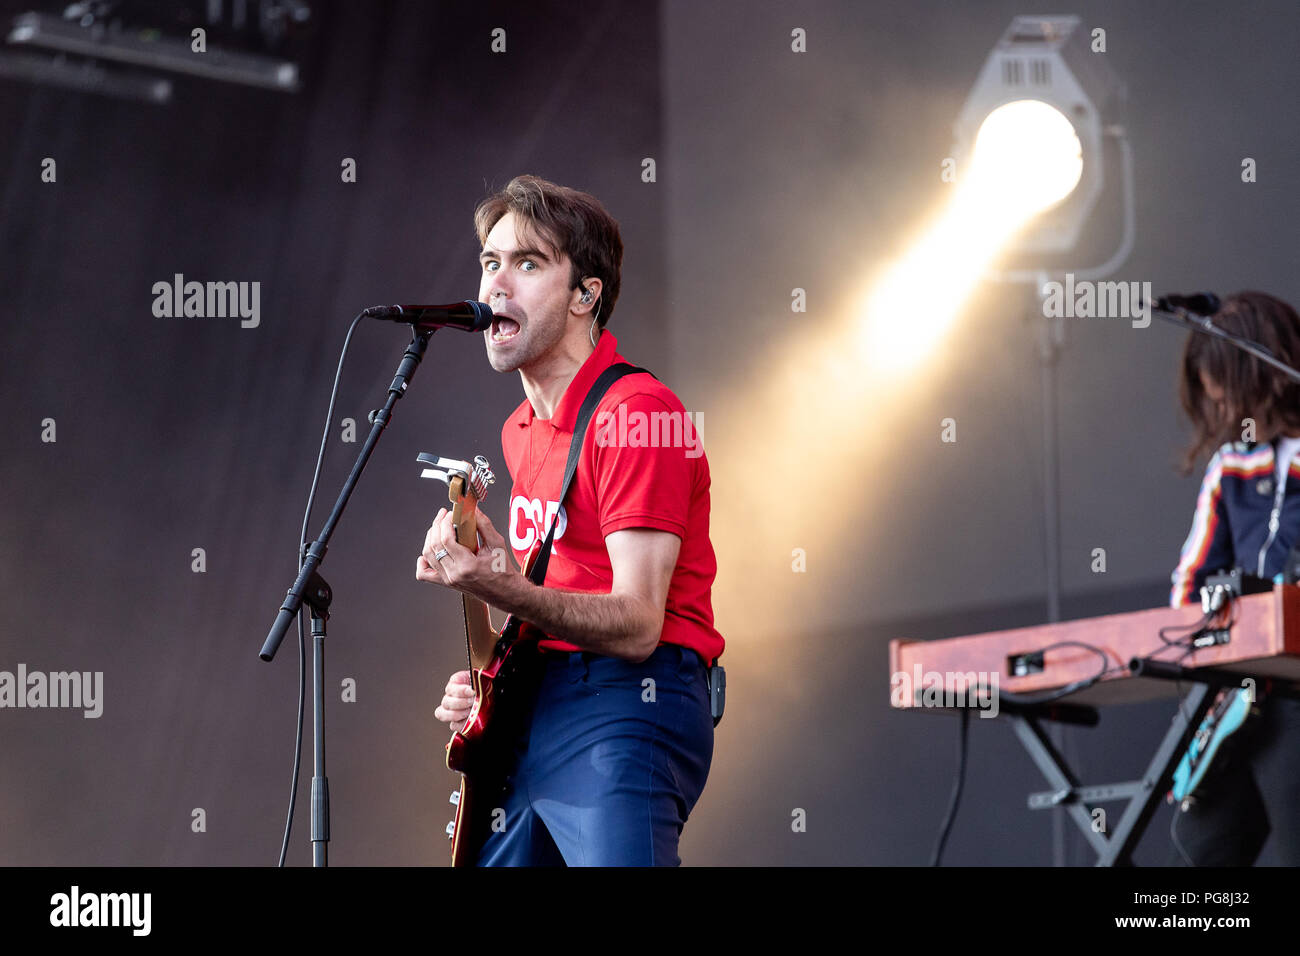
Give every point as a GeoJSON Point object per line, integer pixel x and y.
{"type": "Point", "coordinates": [642, 466]}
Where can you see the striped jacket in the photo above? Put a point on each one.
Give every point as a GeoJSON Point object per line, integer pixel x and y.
{"type": "Point", "coordinates": [1243, 519]}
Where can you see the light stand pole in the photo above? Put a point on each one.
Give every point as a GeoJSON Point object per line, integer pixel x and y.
{"type": "Point", "coordinates": [1051, 344]}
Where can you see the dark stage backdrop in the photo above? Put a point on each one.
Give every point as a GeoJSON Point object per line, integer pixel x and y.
{"type": "Point", "coordinates": [175, 434]}
{"type": "Point", "coordinates": [773, 170]}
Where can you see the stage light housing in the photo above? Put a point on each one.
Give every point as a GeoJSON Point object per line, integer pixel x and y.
{"type": "Point", "coordinates": [1043, 71]}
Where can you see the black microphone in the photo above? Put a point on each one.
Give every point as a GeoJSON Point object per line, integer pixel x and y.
{"type": "Point", "coordinates": [1198, 303]}
{"type": "Point", "coordinates": [468, 316]}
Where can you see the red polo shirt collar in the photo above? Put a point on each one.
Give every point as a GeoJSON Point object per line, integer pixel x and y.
{"type": "Point", "coordinates": [566, 413]}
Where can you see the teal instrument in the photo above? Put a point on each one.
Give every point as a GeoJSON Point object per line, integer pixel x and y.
{"type": "Point", "coordinates": [1226, 717]}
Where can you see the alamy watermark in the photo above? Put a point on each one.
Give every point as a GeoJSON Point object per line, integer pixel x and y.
{"type": "Point", "coordinates": [1086, 299]}
{"type": "Point", "coordinates": [78, 909]}
{"type": "Point", "coordinates": [638, 429]}
{"type": "Point", "coordinates": [26, 688]}
{"type": "Point", "coordinates": [977, 690]}
{"type": "Point", "coordinates": [209, 300]}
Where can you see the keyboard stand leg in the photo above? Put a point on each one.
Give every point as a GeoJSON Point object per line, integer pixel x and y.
{"type": "Point", "coordinates": [1115, 848]}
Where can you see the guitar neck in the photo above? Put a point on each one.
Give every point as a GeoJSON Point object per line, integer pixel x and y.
{"type": "Point", "coordinates": [479, 636]}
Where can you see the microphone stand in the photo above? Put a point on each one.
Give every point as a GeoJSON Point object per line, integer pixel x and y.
{"type": "Point", "coordinates": [311, 588]}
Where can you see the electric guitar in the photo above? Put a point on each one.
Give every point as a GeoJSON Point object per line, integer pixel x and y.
{"type": "Point", "coordinates": [503, 672]}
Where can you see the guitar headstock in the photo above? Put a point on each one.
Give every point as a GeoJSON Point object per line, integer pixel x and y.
{"type": "Point", "coordinates": [466, 486]}
{"type": "Point", "coordinates": [461, 477]}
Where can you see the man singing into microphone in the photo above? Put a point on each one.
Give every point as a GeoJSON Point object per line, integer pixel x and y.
{"type": "Point", "coordinates": [620, 739]}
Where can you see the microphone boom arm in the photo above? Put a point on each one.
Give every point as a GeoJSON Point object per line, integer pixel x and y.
{"type": "Point", "coordinates": [1201, 323]}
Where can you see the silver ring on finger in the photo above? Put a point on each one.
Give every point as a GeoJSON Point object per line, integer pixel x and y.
{"type": "Point", "coordinates": [440, 554]}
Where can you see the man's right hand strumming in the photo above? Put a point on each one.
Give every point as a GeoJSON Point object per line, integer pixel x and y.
{"type": "Point", "coordinates": [457, 701]}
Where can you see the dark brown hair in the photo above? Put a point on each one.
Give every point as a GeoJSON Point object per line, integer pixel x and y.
{"type": "Point", "coordinates": [1251, 388]}
{"type": "Point", "coordinates": [573, 222]}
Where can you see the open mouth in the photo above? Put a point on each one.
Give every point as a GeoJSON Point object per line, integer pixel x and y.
{"type": "Point", "coordinates": [504, 328]}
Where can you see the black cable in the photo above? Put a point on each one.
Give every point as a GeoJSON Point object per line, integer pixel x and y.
{"type": "Point", "coordinates": [1173, 837]}
{"type": "Point", "coordinates": [302, 557]}
{"type": "Point", "coordinates": [1189, 647]}
{"type": "Point", "coordinates": [1030, 700]}
{"type": "Point", "coordinates": [956, 790]}
{"type": "Point", "coordinates": [1194, 630]}
{"type": "Point", "coordinates": [1188, 644]}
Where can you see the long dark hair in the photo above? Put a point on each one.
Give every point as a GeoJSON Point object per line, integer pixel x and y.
{"type": "Point", "coordinates": [1250, 387]}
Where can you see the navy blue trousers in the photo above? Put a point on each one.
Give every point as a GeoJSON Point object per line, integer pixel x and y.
{"type": "Point", "coordinates": [612, 761]}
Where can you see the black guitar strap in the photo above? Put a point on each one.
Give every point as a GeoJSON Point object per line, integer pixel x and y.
{"type": "Point", "coordinates": [598, 389]}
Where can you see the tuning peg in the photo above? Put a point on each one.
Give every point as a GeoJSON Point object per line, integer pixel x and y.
{"type": "Point", "coordinates": [482, 476]}
{"type": "Point", "coordinates": [454, 799]}
{"type": "Point", "coordinates": [451, 829]}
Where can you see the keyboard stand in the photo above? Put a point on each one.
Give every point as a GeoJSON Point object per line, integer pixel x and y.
{"type": "Point", "coordinates": [1114, 845]}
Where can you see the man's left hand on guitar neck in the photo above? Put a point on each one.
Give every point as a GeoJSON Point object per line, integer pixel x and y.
{"type": "Point", "coordinates": [625, 623]}
{"type": "Point", "coordinates": [483, 574]}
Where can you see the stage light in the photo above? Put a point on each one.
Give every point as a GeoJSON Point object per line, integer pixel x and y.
{"type": "Point", "coordinates": [1027, 154]}
{"type": "Point", "coordinates": [1028, 160]}
{"type": "Point", "coordinates": [1044, 75]}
